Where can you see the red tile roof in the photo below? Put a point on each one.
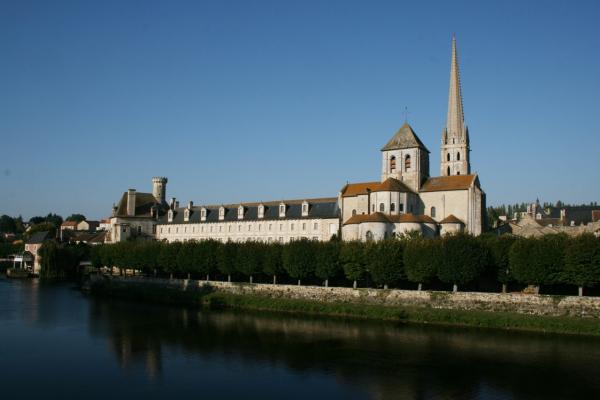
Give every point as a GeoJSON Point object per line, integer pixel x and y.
{"type": "Point", "coordinates": [389, 185]}
{"type": "Point", "coordinates": [454, 182]}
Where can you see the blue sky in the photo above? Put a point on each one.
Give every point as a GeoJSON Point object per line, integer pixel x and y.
{"type": "Point", "coordinates": [264, 100]}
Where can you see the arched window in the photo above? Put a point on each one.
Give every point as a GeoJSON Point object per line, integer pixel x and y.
{"type": "Point", "coordinates": [392, 207]}
{"type": "Point", "coordinates": [369, 236]}
{"type": "Point", "coordinates": [353, 212]}
{"type": "Point", "coordinates": [381, 207]}
{"type": "Point", "coordinates": [432, 212]}
{"type": "Point", "coordinates": [448, 157]}
{"type": "Point", "coordinates": [407, 162]}
{"type": "Point", "coordinates": [458, 156]}
{"type": "Point", "coordinates": [448, 173]}
{"type": "Point", "coordinates": [457, 172]}
{"type": "Point", "coordinates": [393, 164]}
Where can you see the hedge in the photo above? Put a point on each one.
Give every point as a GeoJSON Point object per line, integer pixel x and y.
{"type": "Point", "coordinates": [455, 260]}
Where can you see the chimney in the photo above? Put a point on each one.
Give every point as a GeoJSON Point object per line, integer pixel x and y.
{"type": "Point", "coordinates": [172, 204]}
{"type": "Point", "coordinates": [131, 202]}
{"type": "Point", "coordinates": [190, 205]}
{"type": "Point", "coordinates": [177, 204]}
{"type": "Point", "coordinates": [563, 214]}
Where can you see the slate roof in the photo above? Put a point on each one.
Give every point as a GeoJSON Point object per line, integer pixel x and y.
{"type": "Point", "coordinates": [454, 182]}
{"type": "Point", "coordinates": [321, 208]}
{"type": "Point", "coordinates": [578, 214]}
{"type": "Point", "coordinates": [389, 185]}
{"type": "Point", "coordinates": [143, 204]}
{"type": "Point", "coordinates": [404, 138]}
{"type": "Point", "coordinates": [38, 238]}
{"type": "Point", "coordinates": [386, 218]}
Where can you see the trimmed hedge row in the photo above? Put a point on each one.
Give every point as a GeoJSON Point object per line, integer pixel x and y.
{"type": "Point", "coordinates": [454, 260]}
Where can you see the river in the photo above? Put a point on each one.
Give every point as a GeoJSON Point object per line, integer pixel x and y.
{"type": "Point", "coordinates": [56, 342]}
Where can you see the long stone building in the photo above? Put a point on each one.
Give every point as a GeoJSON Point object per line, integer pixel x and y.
{"type": "Point", "coordinates": [405, 199]}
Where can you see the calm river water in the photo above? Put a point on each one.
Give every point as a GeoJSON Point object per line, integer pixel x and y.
{"type": "Point", "coordinates": [58, 343]}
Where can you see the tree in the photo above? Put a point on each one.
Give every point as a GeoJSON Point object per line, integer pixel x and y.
{"type": "Point", "coordinates": [538, 261]}
{"type": "Point", "coordinates": [226, 257]}
{"type": "Point", "coordinates": [327, 260]}
{"type": "Point", "coordinates": [43, 227]}
{"type": "Point", "coordinates": [499, 250]}
{"type": "Point", "coordinates": [54, 219]}
{"type": "Point", "coordinates": [7, 224]}
{"type": "Point", "coordinates": [385, 262]}
{"type": "Point", "coordinates": [249, 260]}
{"type": "Point", "coordinates": [205, 257]}
{"type": "Point", "coordinates": [352, 257]}
{"type": "Point", "coordinates": [463, 258]}
{"type": "Point", "coordinates": [76, 217]}
{"type": "Point", "coordinates": [582, 262]}
{"type": "Point", "coordinates": [273, 261]}
{"type": "Point", "coordinates": [36, 220]}
{"type": "Point", "coordinates": [167, 258]}
{"type": "Point", "coordinates": [298, 259]}
{"type": "Point", "coordinates": [185, 258]}
{"type": "Point", "coordinates": [421, 259]}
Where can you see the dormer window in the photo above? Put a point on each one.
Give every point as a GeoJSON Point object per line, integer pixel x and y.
{"type": "Point", "coordinates": [203, 214]}
{"type": "Point", "coordinates": [241, 212]}
{"type": "Point", "coordinates": [305, 208]}
{"type": "Point", "coordinates": [261, 211]}
{"type": "Point", "coordinates": [186, 215]}
{"type": "Point", "coordinates": [170, 215]}
{"type": "Point", "coordinates": [221, 213]}
{"type": "Point", "coordinates": [281, 210]}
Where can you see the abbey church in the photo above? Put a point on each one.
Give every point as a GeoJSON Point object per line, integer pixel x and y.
{"type": "Point", "coordinates": [406, 199]}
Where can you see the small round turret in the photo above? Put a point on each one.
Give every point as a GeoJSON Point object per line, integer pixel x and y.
{"type": "Point", "coordinates": [159, 188]}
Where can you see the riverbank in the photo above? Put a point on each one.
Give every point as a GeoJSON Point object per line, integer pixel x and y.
{"type": "Point", "coordinates": [218, 295]}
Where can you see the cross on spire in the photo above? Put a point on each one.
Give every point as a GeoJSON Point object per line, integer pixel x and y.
{"type": "Point", "coordinates": [406, 113]}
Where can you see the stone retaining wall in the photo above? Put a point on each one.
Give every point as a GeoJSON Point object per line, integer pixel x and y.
{"type": "Point", "coordinates": [511, 302]}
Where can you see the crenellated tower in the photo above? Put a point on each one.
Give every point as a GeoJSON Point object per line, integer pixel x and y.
{"type": "Point", "coordinates": [455, 136]}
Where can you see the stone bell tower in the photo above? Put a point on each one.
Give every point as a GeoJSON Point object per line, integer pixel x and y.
{"type": "Point", "coordinates": [455, 136]}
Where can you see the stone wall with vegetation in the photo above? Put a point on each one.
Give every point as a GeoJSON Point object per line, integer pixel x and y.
{"type": "Point", "coordinates": [496, 302]}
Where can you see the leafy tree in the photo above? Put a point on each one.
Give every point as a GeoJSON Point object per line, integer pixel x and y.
{"type": "Point", "coordinates": [36, 220]}
{"type": "Point", "coordinates": [7, 224]}
{"type": "Point", "coordinates": [352, 257]}
{"type": "Point", "coordinates": [43, 227]}
{"type": "Point", "coordinates": [185, 258]}
{"type": "Point", "coordinates": [54, 219]}
{"type": "Point", "coordinates": [205, 257]}
{"type": "Point", "coordinates": [76, 217]}
{"type": "Point", "coordinates": [421, 259]}
{"type": "Point", "coordinates": [499, 250]}
{"type": "Point", "coordinates": [226, 257]}
{"type": "Point", "coordinates": [249, 260]}
{"type": "Point", "coordinates": [385, 262]}
{"type": "Point", "coordinates": [298, 259]}
{"type": "Point", "coordinates": [327, 260]}
{"type": "Point", "coordinates": [167, 258]}
{"type": "Point", "coordinates": [582, 262]}
{"type": "Point", "coordinates": [463, 258]}
{"type": "Point", "coordinates": [273, 261]}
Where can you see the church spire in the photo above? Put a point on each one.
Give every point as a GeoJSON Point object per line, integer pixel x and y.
{"type": "Point", "coordinates": [455, 122]}
{"type": "Point", "coordinates": [455, 136]}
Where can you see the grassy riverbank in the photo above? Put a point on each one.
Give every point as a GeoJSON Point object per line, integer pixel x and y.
{"type": "Point", "coordinates": [211, 299]}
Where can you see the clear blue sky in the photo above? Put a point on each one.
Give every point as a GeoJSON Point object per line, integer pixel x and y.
{"type": "Point", "coordinates": [264, 100]}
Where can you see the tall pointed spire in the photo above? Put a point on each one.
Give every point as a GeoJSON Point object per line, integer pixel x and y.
{"type": "Point", "coordinates": [455, 122]}
{"type": "Point", "coordinates": [455, 136]}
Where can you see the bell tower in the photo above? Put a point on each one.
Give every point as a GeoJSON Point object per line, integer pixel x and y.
{"type": "Point", "coordinates": [455, 136]}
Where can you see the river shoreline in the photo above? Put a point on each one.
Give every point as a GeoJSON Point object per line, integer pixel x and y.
{"type": "Point", "coordinates": [210, 297]}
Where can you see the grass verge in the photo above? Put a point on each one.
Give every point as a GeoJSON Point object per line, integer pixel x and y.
{"type": "Point", "coordinates": [210, 299]}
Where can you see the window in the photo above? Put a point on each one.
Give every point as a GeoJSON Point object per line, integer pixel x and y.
{"type": "Point", "coordinates": [280, 227]}
{"type": "Point", "coordinates": [161, 230]}
{"type": "Point", "coordinates": [291, 227]}
{"type": "Point", "coordinates": [448, 171]}
{"type": "Point", "coordinates": [401, 208]}
{"type": "Point", "coordinates": [261, 211]}
{"type": "Point", "coordinates": [176, 230]}
{"type": "Point", "coordinates": [373, 208]}
{"type": "Point", "coordinates": [203, 214]}
{"type": "Point", "coordinates": [282, 210]}
{"type": "Point", "coordinates": [220, 228]}
{"type": "Point", "coordinates": [249, 227]}
{"type": "Point", "coordinates": [304, 226]}
{"type": "Point", "coordinates": [393, 164]}
{"type": "Point", "coordinates": [458, 156]}
{"type": "Point", "coordinates": [304, 209]}
{"type": "Point", "coordinates": [221, 213]}
{"type": "Point", "coordinates": [448, 157]}
{"type": "Point", "coordinates": [229, 229]}
{"type": "Point", "coordinates": [316, 226]}
{"type": "Point", "coordinates": [457, 172]}
{"type": "Point", "coordinates": [240, 212]}
{"type": "Point", "coordinates": [259, 227]}
{"type": "Point", "coordinates": [239, 228]}
{"type": "Point", "coordinates": [392, 207]}
{"type": "Point", "coordinates": [369, 236]}
{"type": "Point", "coordinates": [315, 238]}
{"type": "Point", "coordinates": [407, 162]}
{"type": "Point", "coordinates": [270, 226]}
{"type": "Point", "coordinates": [381, 207]}
{"type": "Point", "coordinates": [432, 213]}
{"type": "Point", "coordinates": [353, 212]}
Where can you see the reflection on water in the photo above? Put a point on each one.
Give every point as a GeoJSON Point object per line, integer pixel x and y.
{"type": "Point", "coordinates": [136, 349]}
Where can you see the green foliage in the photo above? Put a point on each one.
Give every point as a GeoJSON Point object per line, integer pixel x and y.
{"type": "Point", "coordinates": [421, 259]}
{"type": "Point", "coordinates": [7, 249]}
{"type": "Point", "coordinates": [205, 257]}
{"type": "Point", "coordinates": [7, 224]}
{"type": "Point", "coordinates": [60, 261]}
{"type": "Point", "coordinates": [226, 258]}
{"type": "Point", "coordinates": [54, 219]}
{"type": "Point", "coordinates": [499, 250]}
{"type": "Point", "coordinates": [76, 217]}
{"type": "Point", "coordinates": [185, 260]}
{"type": "Point", "coordinates": [249, 258]}
{"type": "Point", "coordinates": [385, 261]}
{"type": "Point", "coordinates": [167, 257]}
{"type": "Point", "coordinates": [299, 259]}
{"type": "Point", "coordinates": [582, 261]}
{"type": "Point", "coordinates": [538, 261]}
{"type": "Point", "coordinates": [273, 260]}
{"type": "Point", "coordinates": [42, 227]}
{"type": "Point", "coordinates": [463, 258]}
{"type": "Point", "coordinates": [327, 260]}
{"type": "Point", "coordinates": [353, 259]}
